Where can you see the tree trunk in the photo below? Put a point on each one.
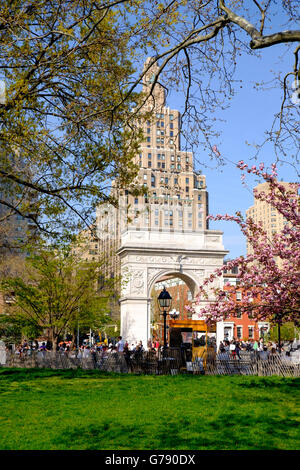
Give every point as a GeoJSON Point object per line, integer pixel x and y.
{"type": "Point", "coordinates": [54, 340]}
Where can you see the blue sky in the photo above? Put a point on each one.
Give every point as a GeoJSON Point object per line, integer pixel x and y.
{"type": "Point", "coordinates": [250, 114]}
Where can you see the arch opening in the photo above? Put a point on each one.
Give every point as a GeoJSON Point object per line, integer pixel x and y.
{"type": "Point", "coordinates": [182, 288]}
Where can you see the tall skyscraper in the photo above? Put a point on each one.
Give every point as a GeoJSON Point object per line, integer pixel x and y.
{"type": "Point", "coordinates": [176, 198]}
{"type": "Point", "coordinates": [272, 221]}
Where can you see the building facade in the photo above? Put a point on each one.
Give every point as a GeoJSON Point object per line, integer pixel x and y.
{"type": "Point", "coordinates": [261, 212]}
{"type": "Point", "coordinates": [241, 326]}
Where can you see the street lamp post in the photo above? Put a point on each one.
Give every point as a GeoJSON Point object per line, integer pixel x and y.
{"type": "Point", "coordinates": [164, 302]}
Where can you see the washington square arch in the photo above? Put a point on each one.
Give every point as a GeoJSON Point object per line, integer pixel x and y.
{"type": "Point", "coordinates": [146, 257]}
{"type": "Point", "coordinates": [162, 232]}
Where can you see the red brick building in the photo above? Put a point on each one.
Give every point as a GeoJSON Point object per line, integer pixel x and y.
{"type": "Point", "coordinates": [241, 326]}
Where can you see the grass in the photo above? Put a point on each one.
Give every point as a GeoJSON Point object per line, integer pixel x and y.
{"type": "Point", "coordinates": [75, 409]}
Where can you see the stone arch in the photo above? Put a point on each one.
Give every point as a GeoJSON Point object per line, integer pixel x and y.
{"type": "Point", "coordinates": [147, 256]}
{"type": "Point", "coordinates": [188, 278]}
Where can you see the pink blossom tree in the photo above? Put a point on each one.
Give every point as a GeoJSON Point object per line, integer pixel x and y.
{"type": "Point", "coordinates": [269, 276]}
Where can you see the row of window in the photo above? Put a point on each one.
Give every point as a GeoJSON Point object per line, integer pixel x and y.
{"type": "Point", "coordinates": [161, 116]}
{"type": "Point", "coordinates": [168, 222]}
{"type": "Point", "coordinates": [136, 200]}
{"type": "Point", "coordinates": [161, 124]}
{"type": "Point", "coordinates": [162, 156]}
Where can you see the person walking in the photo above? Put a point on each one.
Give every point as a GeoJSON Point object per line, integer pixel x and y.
{"type": "Point", "coordinates": [232, 349]}
{"type": "Point", "coordinates": [237, 349]}
{"type": "Point", "coordinates": [120, 344]}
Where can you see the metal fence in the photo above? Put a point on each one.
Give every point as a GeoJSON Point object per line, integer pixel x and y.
{"type": "Point", "coordinates": [174, 361]}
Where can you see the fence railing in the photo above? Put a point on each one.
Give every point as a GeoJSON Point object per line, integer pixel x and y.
{"type": "Point", "coordinates": [173, 361]}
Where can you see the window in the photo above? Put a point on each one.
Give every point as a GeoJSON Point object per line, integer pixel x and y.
{"type": "Point", "coordinates": [187, 189]}
{"type": "Point", "coordinates": [239, 332]}
{"type": "Point", "coordinates": [187, 180]}
{"type": "Point", "coordinates": [148, 139]}
{"type": "Point", "coordinates": [199, 198]}
{"type": "Point", "coordinates": [178, 159]}
{"type": "Point", "coordinates": [178, 167]}
{"type": "Point", "coordinates": [149, 156]}
{"type": "Point", "coordinates": [238, 313]}
{"type": "Point", "coordinates": [163, 165]}
{"type": "Point", "coordinates": [136, 200]}
{"type": "Point", "coordinates": [145, 177]}
{"type": "Point", "coordinates": [250, 332]}
{"type": "Point", "coordinates": [171, 125]}
{"type": "Point", "coordinates": [148, 130]}
{"type": "Point", "coordinates": [175, 179]}
{"type": "Point", "coordinates": [162, 124]}
{"type": "Point", "coordinates": [238, 296]}
{"type": "Point", "coordinates": [172, 158]}
{"type": "Point", "coordinates": [149, 164]}
{"type": "Point", "coordinates": [158, 156]}
{"type": "Point", "coordinates": [171, 117]}
{"type": "Point", "coordinates": [171, 133]}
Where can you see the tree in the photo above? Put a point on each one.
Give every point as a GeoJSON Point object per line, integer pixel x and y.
{"type": "Point", "coordinates": [63, 131]}
{"type": "Point", "coordinates": [198, 46]}
{"type": "Point", "coordinates": [58, 290]}
{"type": "Point", "coordinates": [68, 115]}
{"type": "Point", "coordinates": [269, 276]}
{"type": "Point", "coordinates": [288, 332]}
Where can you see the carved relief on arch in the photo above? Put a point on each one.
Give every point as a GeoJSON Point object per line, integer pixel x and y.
{"type": "Point", "coordinates": [137, 281]}
{"type": "Point", "coordinates": [152, 274]}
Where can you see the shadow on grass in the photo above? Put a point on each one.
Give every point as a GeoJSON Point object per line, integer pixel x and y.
{"type": "Point", "coordinates": [226, 433]}
{"type": "Point", "coordinates": [36, 373]}
{"type": "Point", "coordinates": [272, 382]}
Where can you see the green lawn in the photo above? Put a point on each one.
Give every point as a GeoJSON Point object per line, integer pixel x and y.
{"type": "Point", "coordinates": [48, 409]}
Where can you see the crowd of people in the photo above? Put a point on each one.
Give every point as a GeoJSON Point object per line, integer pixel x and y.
{"type": "Point", "coordinates": [84, 350]}
{"type": "Point", "coordinates": [261, 348]}
{"type": "Point", "coordinates": [231, 348]}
